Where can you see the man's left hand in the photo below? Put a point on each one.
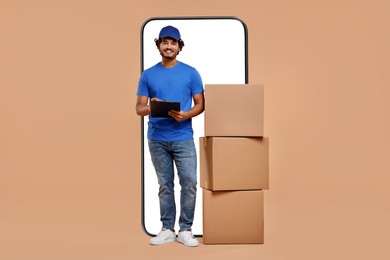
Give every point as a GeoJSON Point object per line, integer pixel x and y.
{"type": "Point", "coordinates": [178, 115]}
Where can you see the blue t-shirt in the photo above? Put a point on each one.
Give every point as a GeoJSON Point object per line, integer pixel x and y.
{"type": "Point", "coordinates": [176, 84]}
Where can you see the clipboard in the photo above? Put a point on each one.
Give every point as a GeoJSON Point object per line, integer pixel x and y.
{"type": "Point", "coordinates": [161, 108]}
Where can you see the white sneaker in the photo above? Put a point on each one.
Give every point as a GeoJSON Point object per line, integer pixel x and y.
{"type": "Point", "coordinates": [186, 238]}
{"type": "Point", "coordinates": [165, 236]}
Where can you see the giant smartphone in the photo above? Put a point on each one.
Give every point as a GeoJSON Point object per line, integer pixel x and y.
{"type": "Point", "coordinates": [217, 48]}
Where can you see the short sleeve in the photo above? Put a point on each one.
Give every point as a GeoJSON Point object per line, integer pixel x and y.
{"type": "Point", "coordinates": [143, 89]}
{"type": "Point", "coordinates": [197, 84]}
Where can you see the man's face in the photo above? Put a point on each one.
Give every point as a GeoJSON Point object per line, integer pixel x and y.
{"type": "Point", "coordinates": [169, 48]}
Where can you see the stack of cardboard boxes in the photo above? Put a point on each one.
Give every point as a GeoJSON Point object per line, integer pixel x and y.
{"type": "Point", "coordinates": [234, 168]}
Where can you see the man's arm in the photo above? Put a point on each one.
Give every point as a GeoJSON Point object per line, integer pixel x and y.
{"type": "Point", "coordinates": [194, 111]}
{"type": "Point", "coordinates": [142, 108]}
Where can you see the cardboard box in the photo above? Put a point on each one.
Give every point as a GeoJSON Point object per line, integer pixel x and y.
{"type": "Point", "coordinates": [234, 163]}
{"type": "Point", "coordinates": [233, 217]}
{"type": "Point", "coordinates": [234, 110]}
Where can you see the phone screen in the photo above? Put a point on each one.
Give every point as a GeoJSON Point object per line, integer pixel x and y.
{"type": "Point", "coordinates": [217, 48]}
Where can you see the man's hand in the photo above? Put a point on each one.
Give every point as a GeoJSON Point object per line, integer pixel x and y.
{"type": "Point", "coordinates": [194, 111]}
{"type": "Point", "coordinates": [178, 115]}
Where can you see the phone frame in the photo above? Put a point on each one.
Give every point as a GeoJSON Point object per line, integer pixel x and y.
{"type": "Point", "coordinates": [142, 69]}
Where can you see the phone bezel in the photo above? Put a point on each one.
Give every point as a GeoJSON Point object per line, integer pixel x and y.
{"type": "Point", "coordinates": [141, 70]}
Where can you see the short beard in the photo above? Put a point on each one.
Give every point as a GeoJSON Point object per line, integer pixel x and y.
{"type": "Point", "coordinates": [168, 57]}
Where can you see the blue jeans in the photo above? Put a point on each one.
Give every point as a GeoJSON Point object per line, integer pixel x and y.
{"type": "Point", "coordinates": [183, 154]}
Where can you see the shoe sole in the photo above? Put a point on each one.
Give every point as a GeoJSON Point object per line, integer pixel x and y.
{"type": "Point", "coordinates": [163, 242]}
{"type": "Point", "coordinates": [180, 241]}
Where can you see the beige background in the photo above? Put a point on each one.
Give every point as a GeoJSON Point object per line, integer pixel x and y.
{"type": "Point", "coordinates": [70, 184]}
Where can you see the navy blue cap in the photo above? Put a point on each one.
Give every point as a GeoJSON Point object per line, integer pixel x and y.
{"type": "Point", "coordinates": [170, 31]}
